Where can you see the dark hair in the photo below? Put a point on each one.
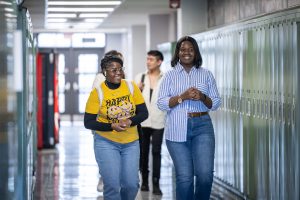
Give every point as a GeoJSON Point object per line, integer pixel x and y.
{"type": "Point", "coordinates": [157, 54]}
{"type": "Point", "coordinates": [107, 60]}
{"type": "Point", "coordinates": [114, 53]}
{"type": "Point", "coordinates": [198, 57]}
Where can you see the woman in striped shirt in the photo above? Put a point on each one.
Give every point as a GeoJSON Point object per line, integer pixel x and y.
{"type": "Point", "coordinates": [188, 92]}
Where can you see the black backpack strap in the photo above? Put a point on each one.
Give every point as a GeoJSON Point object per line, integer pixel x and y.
{"type": "Point", "coordinates": [143, 78]}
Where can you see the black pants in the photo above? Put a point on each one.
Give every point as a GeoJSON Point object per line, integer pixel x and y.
{"type": "Point", "coordinates": [157, 137]}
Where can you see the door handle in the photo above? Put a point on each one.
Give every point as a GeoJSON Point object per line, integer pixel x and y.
{"type": "Point", "coordinates": [75, 86]}
{"type": "Point", "coordinates": [67, 86]}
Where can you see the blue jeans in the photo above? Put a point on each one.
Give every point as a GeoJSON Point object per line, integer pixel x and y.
{"type": "Point", "coordinates": [118, 165]}
{"type": "Point", "coordinates": [195, 157]}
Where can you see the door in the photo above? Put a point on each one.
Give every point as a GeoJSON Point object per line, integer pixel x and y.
{"type": "Point", "coordinates": [77, 70]}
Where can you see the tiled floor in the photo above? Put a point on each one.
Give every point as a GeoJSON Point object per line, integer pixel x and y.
{"type": "Point", "coordinates": [70, 171]}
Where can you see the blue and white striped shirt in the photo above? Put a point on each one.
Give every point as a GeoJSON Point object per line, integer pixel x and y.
{"type": "Point", "coordinates": [174, 83]}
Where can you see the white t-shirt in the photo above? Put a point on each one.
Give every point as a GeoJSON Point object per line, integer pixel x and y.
{"type": "Point", "coordinates": [156, 117]}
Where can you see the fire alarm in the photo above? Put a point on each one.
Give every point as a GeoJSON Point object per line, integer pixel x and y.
{"type": "Point", "coordinates": [174, 4]}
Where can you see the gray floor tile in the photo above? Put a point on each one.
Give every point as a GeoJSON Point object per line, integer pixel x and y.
{"type": "Point", "coordinates": [70, 171]}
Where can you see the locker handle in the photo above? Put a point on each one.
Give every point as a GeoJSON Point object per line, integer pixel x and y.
{"type": "Point", "coordinates": [266, 110]}
{"type": "Point", "coordinates": [249, 107]}
{"type": "Point", "coordinates": [293, 114]}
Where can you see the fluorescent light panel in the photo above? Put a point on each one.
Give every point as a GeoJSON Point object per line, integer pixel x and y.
{"type": "Point", "coordinates": [5, 3]}
{"type": "Point", "coordinates": [10, 15]}
{"type": "Point", "coordinates": [93, 20]}
{"type": "Point", "coordinates": [83, 3]}
{"type": "Point", "coordinates": [61, 9]}
{"type": "Point", "coordinates": [70, 25]}
{"type": "Point", "coordinates": [70, 15]}
{"type": "Point", "coordinates": [59, 21]}
{"type": "Point", "coordinates": [93, 15]}
{"type": "Point", "coordinates": [86, 25]}
{"type": "Point", "coordinates": [8, 9]}
{"type": "Point", "coordinates": [57, 25]}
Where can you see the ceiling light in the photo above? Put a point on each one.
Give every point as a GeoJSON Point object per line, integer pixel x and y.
{"type": "Point", "coordinates": [10, 15]}
{"type": "Point", "coordinates": [93, 15]}
{"type": "Point", "coordinates": [86, 25]}
{"type": "Point", "coordinates": [94, 20]}
{"type": "Point", "coordinates": [80, 9]}
{"type": "Point", "coordinates": [83, 3]}
{"type": "Point", "coordinates": [57, 25]}
{"type": "Point", "coordinates": [9, 10]}
{"type": "Point", "coordinates": [71, 25]}
{"type": "Point", "coordinates": [61, 15]}
{"type": "Point", "coordinates": [5, 3]}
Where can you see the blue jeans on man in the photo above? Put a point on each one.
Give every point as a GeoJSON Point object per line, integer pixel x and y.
{"type": "Point", "coordinates": [194, 158]}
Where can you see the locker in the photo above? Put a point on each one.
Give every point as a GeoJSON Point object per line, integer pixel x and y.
{"type": "Point", "coordinates": [255, 63]}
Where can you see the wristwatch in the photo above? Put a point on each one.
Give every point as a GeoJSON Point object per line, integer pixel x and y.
{"type": "Point", "coordinates": [179, 100]}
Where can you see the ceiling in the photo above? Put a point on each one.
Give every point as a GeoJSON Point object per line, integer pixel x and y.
{"type": "Point", "coordinates": [127, 14]}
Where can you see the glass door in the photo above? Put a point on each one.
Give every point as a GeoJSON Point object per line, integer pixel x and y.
{"type": "Point", "coordinates": [77, 71]}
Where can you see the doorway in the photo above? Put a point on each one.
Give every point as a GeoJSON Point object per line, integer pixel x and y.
{"type": "Point", "coordinates": [77, 68]}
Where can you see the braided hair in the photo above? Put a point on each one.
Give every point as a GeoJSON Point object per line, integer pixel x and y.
{"type": "Point", "coordinates": [107, 60]}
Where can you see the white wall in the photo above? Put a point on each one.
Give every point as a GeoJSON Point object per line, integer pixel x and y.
{"type": "Point", "coordinates": [119, 42]}
{"type": "Point", "coordinates": [137, 46]}
{"type": "Point", "coordinates": [158, 30]}
{"type": "Point", "coordinates": [114, 42]}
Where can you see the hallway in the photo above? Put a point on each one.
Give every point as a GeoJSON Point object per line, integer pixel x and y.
{"type": "Point", "coordinates": [70, 171]}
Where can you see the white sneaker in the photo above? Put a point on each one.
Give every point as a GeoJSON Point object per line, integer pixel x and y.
{"type": "Point", "coordinates": [100, 185]}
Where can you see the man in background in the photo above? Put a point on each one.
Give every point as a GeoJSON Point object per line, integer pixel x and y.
{"type": "Point", "coordinates": [152, 128]}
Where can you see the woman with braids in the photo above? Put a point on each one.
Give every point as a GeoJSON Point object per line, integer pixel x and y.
{"type": "Point", "coordinates": [188, 93]}
{"type": "Point", "coordinates": [99, 77]}
{"type": "Point", "coordinates": [97, 82]}
{"type": "Point", "coordinates": [114, 117]}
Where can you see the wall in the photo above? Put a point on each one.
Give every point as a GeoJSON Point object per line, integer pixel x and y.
{"type": "Point", "coordinates": [158, 30]}
{"type": "Point", "coordinates": [113, 42]}
{"type": "Point", "coordinates": [221, 12]}
{"type": "Point", "coordinates": [119, 42]}
{"type": "Point", "coordinates": [191, 17]}
{"type": "Point", "coordinates": [137, 50]}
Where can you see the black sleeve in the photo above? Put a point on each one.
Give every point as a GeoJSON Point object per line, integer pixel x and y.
{"type": "Point", "coordinates": [141, 114]}
{"type": "Point", "coordinates": [90, 122]}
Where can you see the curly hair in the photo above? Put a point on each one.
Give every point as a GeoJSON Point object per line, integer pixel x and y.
{"type": "Point", "coordinates": [114, 53]}
{"type": "Point", "coordinates": [107, 60]}
{"type": "Point", "coordinates": [198, 57]}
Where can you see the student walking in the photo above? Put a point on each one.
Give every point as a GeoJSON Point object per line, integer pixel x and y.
{"type": "Point", "coordinates": [113, 110]}
{"type": "Point", "coordinates": [188, 93]}
{"type": "Point", "coordinates": [153, 127]}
